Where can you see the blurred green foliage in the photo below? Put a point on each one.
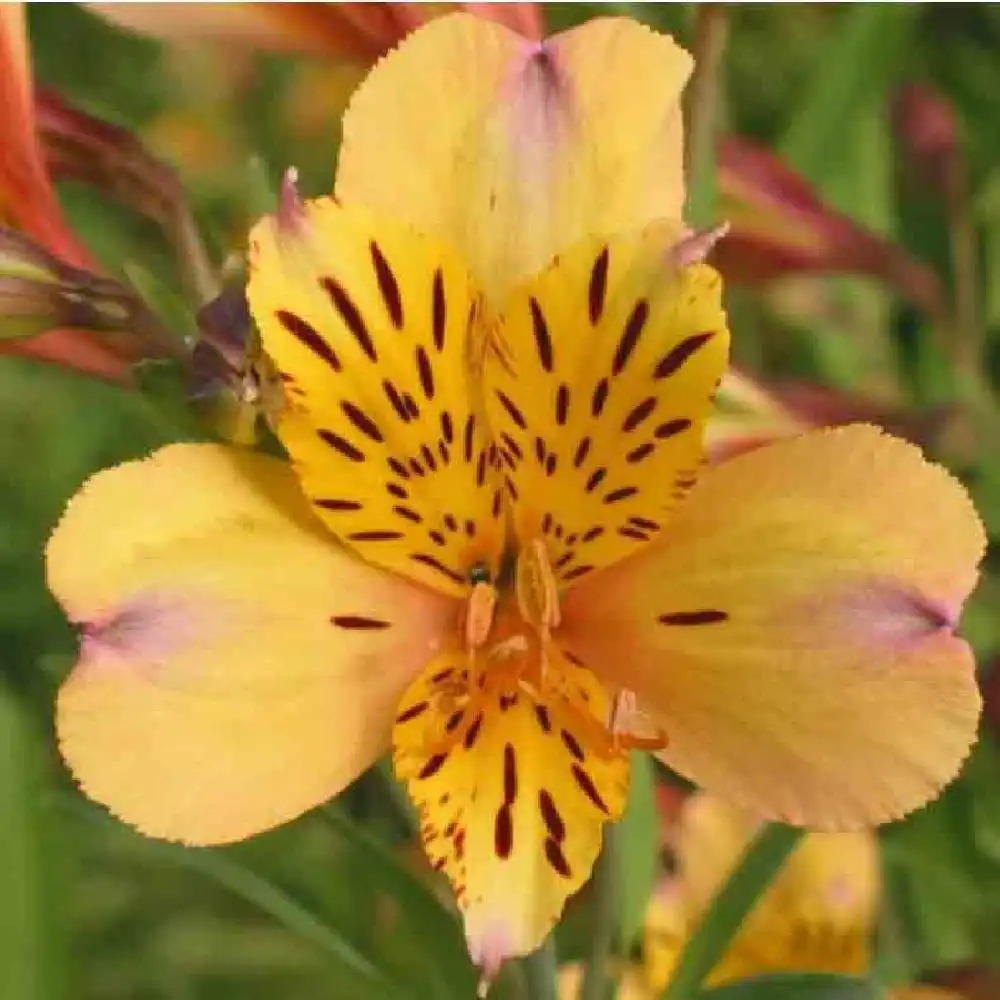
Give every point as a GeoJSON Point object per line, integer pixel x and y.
{"type": "Point", "coordinates": [332, 906]}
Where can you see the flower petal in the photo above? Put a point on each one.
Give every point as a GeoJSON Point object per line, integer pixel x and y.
{"type": "Point", "coordinates": [793, 633]}
{"type": "Point", "coordinates": [512, 797]}
{"type": "Point", "coordinates": [598, 393]}
{"type": "Point", "coordinates": [370, 326]}
{"type": "Point", "coordinates": [237, 667]}
{"type": "Point", "coordinates": [518, 149]}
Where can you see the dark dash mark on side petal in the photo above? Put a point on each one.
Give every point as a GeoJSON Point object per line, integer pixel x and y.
{"type": "Point", "coordinates": [359, 622]}
{"type": "Point", "coordinates": [703, 616]}
{"type": "Point", "coordinates": [438, 310]}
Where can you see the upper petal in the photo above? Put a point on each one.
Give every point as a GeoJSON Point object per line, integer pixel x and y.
{"type": "Point", "coordinates": [598, 394]}
{"type": "Point", "coordinates": [793, 631]}
{"type": "Point", "coordinates": [237, 667]}
{"type": "Point", "coordinates": [371, 327]}
{"type": "Point", "coordinates": [517, 149]}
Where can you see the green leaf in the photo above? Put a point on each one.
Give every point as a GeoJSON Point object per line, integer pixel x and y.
{"type": "Point", "coordinates": [757, 868]}
{"type": "Point", "coordinates": [798, 986]}
{"type": "Point", "coordinates": [638, 842]}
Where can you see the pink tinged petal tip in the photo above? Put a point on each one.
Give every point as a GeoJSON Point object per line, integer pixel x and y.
{"type": "Point", "coordinates": [291, 209]}
{"type": "Point", "coordinates": [695, 248]}
{"type": "Point", "coordinates": [883, 613]}
{"type": "Point", "coordinates": [489, 949]}
{"type": "Point", "coordinates": [147, 630]}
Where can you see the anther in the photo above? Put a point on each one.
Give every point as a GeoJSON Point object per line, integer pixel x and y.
{"type": "Point", "coordinates": [535, 586]}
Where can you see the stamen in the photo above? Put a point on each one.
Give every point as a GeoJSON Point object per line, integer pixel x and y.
{"type": "Point", "coordinates": [535, 586]}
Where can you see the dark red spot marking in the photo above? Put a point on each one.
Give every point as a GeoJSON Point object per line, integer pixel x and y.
{"type": "Point", "coordinates": [509, 774]}
{"type": "Point", "coordinates": [633, 533]}
{"type": "Point", "coordinates": [600, 397]}
{"type": "Point", "coordinates": [639, 413]}
{"type": "Point", "coordinates": [472, 733]}
{"type": "Point", "coordinates": [587, 787]}
{"type": "Point", "coordinates": [572, 745]}
{"type": "Point", "coordinates": [630, 336]}
{"type": "Point", "coordinates": [596, 478]}
{"type": "Point", "coordinates": [563, 559]}
{"type": "Point", "coordinates": [397, 491]}
{"type": "Point", "coordinates": [550, 817]}
{"type": "Point", "coordinates": [416, 468]}
{"type": "Point", "coordinates": [437, 538]}
{"type": "Point", "coordinates": [623, 493]}
{"type": "Point", "coordinates": [450, 523]}
{"type": "Point", "coordinates": [308, 335]}
{"type": "Point", "coordinates": [433, 765]}
{"type": "Point", "coordinates": [398, 468]}
{"type": "Point", "coordinates": [543, 342]}
{"type": "Point", "coordinates": [387, 285]}
{"type": "Point", "coordinates": [428, 457]}
{"type": "Point", "coordinates": [576, 571]}
{"type": "Point", "coordinates": [581, 452]}
{"type": "Point", "coordinates": [359, 622]}
{"type": "Point", "coordinates": [413, 711]}
{"type": "Point", "coordinates": [481, 469]}
{"type": "Point", "coordinates": [425, 372]}
{"type": "Point", "coordinates": [340, 444]}
{"type": "Point", "coordinates": [503, 833]}
{"type": "Point", "coordinates": [512, 411]}
{"type": "Point", "coordinates": [361, 420]}
{"type": "Point", "coordinates": [556, 858]}
{"type": "Point", "coordinates": [562, 404]}
{"type": "Point", "coordinates": [511, 488]}
{"type": "Point", "coordinates": [591, 533]}
{"type": "Point", "coordinates": [704, 616]}
{"type": "Point", "coordinates": [453, 721]}
{"type": "Point", "coordinates": [410, 515]}
{"type": "Point", "coordinates": [598, 286]}
{"type": "Point", "coordinates": [438, 311]}
{"type": "Point", "coordinates": [542, 714]}
{"type": "Point", "coordinates": [512, 445]}
{"type": "Point", "coordinates": [470, 427]}
{"type": "Point", "coordinates": [395, 400]}
{"type": "Point", "coordinates": [374, 536]}
{"type": "Point", "coordinates": [550, 465]}
{"type": "Point", "coordinates": [412, 410]}
{"type": "Point", "coordinates": [330, 504]}
{"type": "Point", "coordinates": [447, 428]}
{"type": "Point", "coordinates": [470, 528]}
{"type": "Point", "coordinates": [672, 427]}
{"type": "Point", "coordinates": [435, 564]}
{"type": "Point", "coordinates": [637, 455]}
{"type": "Point", "coordinates": [674, 358]}
{"type": "Point", "coordinates": [644, 523]}
{"type": "Point", "coordinates": [349, 314]}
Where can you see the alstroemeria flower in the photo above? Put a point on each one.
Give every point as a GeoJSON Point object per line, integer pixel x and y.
{"type": "Point", "coordinates": [492, 547]}
{"type": "Point", "coordinates": [818, 915]}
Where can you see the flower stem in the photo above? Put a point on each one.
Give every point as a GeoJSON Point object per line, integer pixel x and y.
{"type": "Point", "coordinates": [540, 972]}
{"type": "Point", "coordinates": [759, 865]}
{"type": "Point", "coordinates": [704, 96]}
{"type": "Point", "coordinates": [595, 975]}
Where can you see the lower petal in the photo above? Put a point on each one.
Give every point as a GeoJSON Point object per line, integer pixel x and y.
{"type": "Point", "coordinates": [236, 666]}
{"type": "Point", "coordinates": [793, 630]}
{"type": "Point", "coordinates": [512, 794]}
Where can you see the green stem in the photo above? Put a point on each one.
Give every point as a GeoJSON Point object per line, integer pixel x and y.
{"type": "Point", "coordinates": [540, 972]}
{"type": "Point", "coordinates": [704, 96]}
{"type": "Point", "coordinates": [604, 881]}
{"type": "Point", "coordinates": [760, 863]}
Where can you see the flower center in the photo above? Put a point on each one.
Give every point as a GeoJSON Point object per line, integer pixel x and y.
{"type": "Point", "coordinates": [512, 649]}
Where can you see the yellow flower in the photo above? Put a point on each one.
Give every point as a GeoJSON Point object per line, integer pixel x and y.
{"type": "Point", "coordinates": [490, 549]}
{"type": "Point", "coordinates": [817, 916]}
